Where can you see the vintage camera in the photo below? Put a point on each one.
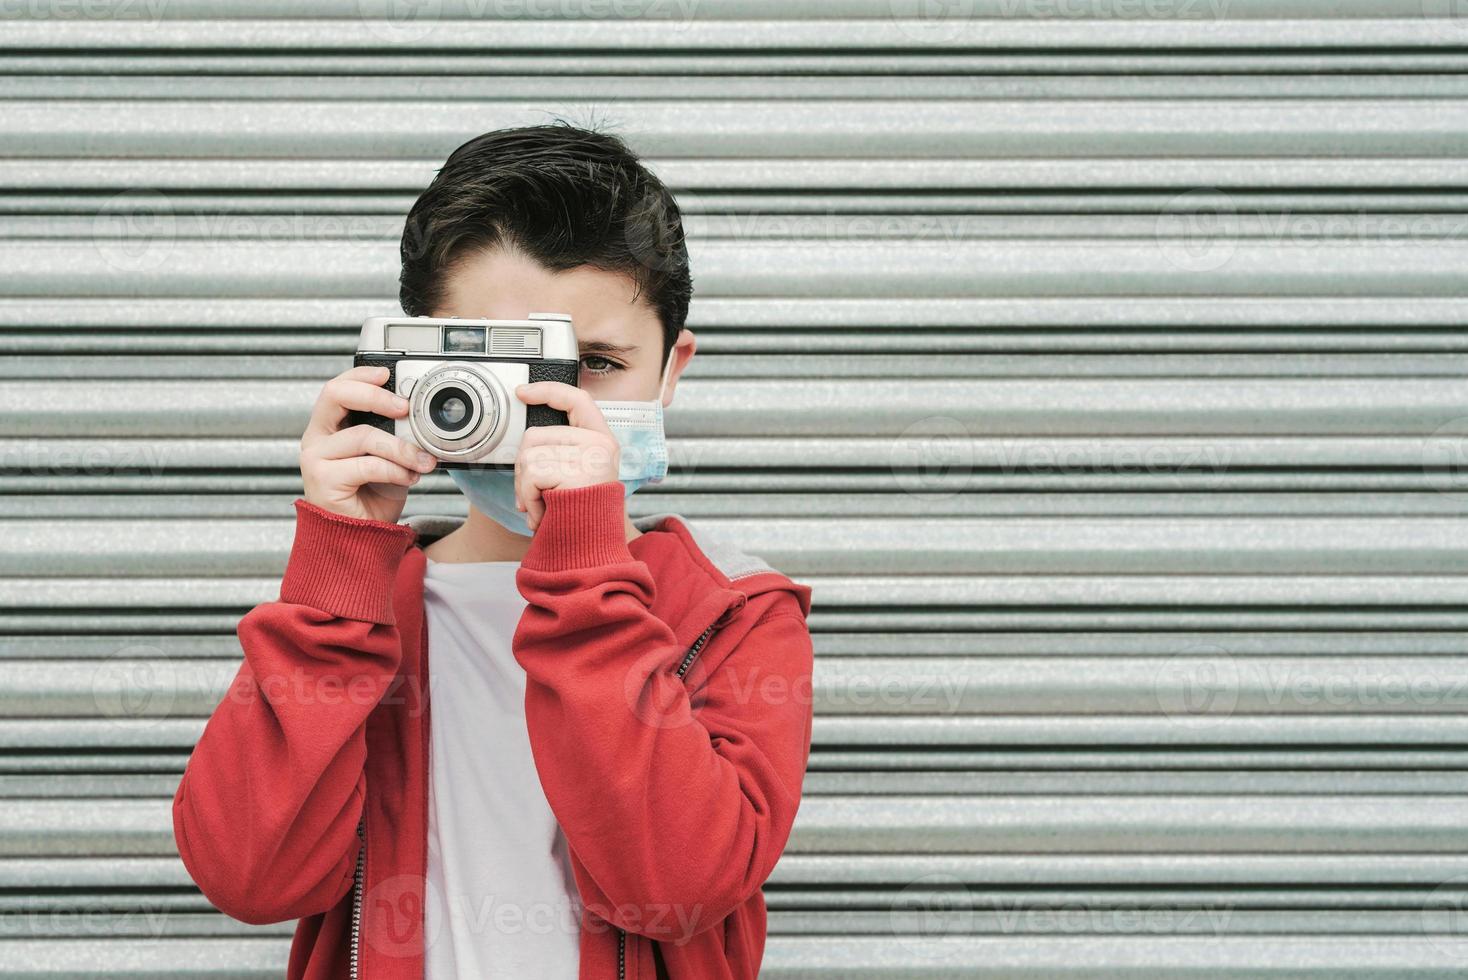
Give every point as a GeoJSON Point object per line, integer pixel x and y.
{"type": "Point", "coordinates": [459, 376]}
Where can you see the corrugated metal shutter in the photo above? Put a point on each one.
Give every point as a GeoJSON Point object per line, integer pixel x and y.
{"type": "Point", "coordinates": [1100, 362]}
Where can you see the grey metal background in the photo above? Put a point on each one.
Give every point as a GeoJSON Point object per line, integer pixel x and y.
{"type": "Point", "coordinates": [1100, 363]}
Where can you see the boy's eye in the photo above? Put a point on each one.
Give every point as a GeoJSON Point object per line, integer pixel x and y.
{"type": "Point", "coordinates": [597, 364]}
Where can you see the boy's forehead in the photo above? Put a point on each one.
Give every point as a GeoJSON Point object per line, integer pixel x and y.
{"type": "Point", "coordinates": [500, 285]}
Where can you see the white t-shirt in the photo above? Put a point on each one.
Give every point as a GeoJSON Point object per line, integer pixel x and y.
{"type": "Point", "coordinates": [501, 900]}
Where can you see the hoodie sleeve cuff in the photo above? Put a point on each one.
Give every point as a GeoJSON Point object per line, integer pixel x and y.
{"type": "Point", "coordinates": [343, 565]}
{"type": "Point", "coordinates": [582, 527]}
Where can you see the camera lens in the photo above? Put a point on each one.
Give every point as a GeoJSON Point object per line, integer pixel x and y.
{"type": "Point", "coordinates": [458, 411]}
{"type": "Point", "coordinates": [450, 409]}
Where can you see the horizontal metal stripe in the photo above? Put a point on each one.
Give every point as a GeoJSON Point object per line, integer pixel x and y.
{"type": "Point", "coordinates": [778, 10]}
{"type": "Point", "coordinates": [1387, 647]}
{"type": "Point", "coordinates": [933, 591]}
{"type": "Point", "coordinates": [98, 922]}
{"type": "Point", "coordinates": [1336, 783]}
{"type": "Point", "coordinates": [893, 129]}
{"type": "Point", "coordinates": [842, 765]}
{"type": "Point", "coordinates": [919, 344]}
{"type": "Point", "coordinates": [927, 892]}
{"type": "Point", "coordinates": [1079, 824]}
{"type": "Point", "coordinates": [1378, 317]}
{"type": "Point", "coordinates": [795, 909]}
{"type": "Point", "coordinates": [917, 914]}
{"type": "Point", "coordinates": [838, 760]}
{"type": "Point", "coordinates": [1160, 732]}
{"type": "Point", "coordinates": [146, 959]}
{"type": "Point", "coordinates": [857, 268]}
{"type": "Point", "coordinates": [1196, 684]}
{"type": "Point", "coordinates": [1057, 783]}
{"type": "Point", "coordinates": [1234, 731]}
{"type": "Point", "coordinates": [1183, 33]}
{"type": "Point", "coordinates": [1376, 201]}
{"type": "Point", "coordinates": [775, 498]}
{"type": "Point", "coordinates": [856, 366]}
{"type": "Point", "coordinates": [49, 762]}
{"type": "Point", "coordinates": [186, 225]}
{"type": "Point", "coordinates": [950, 825]}
{"type": "Point", "coordinates": [776, 493]}
{"type": "Point", "coordinates": [938, 408]}
{"type": "Point", "coordinates": [1158, 917]}
{"type": "Point", "coordinates": [91, 872]}
{"type": "Point", "coordinates": [345, 175]}
{"type": "Point", "coordinates": [846, 366]}
{"type": "Point", "coordinates": [1326, 880]}
{"type": "Point", "coordinates": [62, 621]}
{"type": "Point", "coordinates": [918, 59]}
{"type": "Point", "coordinates": [1132, 590]}
{"type": "Point", "coordinates": [918, 957]}
{"type": "Point", "coordinates": [1225, 958]}
{"type": "Point", "coordinates": [1163, 917]}
{"type": "Point", "coordinates": [1216, 545]}
{"type": "Point", "coordinates": [1071, 461]}
{"type": "Point", "coordinates": [1208, 872]}
{"type": "Point", "coordinates": [112, 785]}
{"type": "Point", "coordinates": [861, 80]}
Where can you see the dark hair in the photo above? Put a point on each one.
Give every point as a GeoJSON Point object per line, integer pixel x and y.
{"type": "Point", "coordinates": [564, 196]}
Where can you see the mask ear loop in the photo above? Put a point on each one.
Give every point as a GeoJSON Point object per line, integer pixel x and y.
{"type": "Point", "coordinates": [667, 371]}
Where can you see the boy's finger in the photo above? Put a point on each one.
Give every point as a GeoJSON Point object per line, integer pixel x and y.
{"type": "Point", "coordinates": [533, 507]}
{"type": "Point", "coordinates": [577, 403]}
{"type": "Point", "coordinates": [367, 440]}
{"type": "Point", "coordinates": [526, 491]}
{"type": "Point", "coordinates": [342, 394]}
{"type": "Point", "coordinates": [359, 471]}
{"type": "Point", "coordinates": [554, 445]}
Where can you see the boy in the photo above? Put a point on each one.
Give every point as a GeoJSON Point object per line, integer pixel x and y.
{"type": "Point", "coordinates": [611, 758]}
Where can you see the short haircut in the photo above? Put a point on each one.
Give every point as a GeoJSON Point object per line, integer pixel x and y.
{"type": "Point", "coordinates": [562, 195]}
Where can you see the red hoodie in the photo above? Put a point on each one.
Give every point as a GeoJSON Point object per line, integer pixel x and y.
{"type": "Point", "coordinates": [668, 704]}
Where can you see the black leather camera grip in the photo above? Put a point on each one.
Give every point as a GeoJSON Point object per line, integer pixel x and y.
{"type": "Point", "coordinates": [567, 372]}
{"type": "Point", "coordinates": [371, 418]}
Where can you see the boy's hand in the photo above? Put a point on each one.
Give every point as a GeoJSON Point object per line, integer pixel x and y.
{"type": "Point", "coordinates": [580, 454]}
{"type": "Point", "coordinates": [360, 471]}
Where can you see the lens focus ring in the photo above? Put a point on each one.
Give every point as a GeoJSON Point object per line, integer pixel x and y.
{"type": "Point", "coordinates": [457, 411]}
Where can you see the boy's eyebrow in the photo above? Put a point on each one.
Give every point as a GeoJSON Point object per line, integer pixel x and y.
{"type": "Point", "coordinates": [605, 347]}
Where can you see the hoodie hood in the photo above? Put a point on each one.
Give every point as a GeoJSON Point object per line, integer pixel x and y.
{"type": "Point", "coordinates": [728, 568]}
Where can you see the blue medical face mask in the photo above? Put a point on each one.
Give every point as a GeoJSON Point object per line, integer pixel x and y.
{"type": "Point", "coordinates": [643, 459]}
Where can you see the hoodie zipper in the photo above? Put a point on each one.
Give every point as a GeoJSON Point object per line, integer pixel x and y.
{"type": "Point", "coordinates": [692, 653]}
{"type": "Point", "coordinates": [686, 663]}
{"type": "Point", "coordinates": [358, 877]}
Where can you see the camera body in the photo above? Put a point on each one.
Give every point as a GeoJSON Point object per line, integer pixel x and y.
{"type": "Point", "coordinates": [459, 376]}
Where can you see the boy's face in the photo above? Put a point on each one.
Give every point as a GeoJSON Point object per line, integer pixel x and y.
{"type": "Point", "coordinates": [621, 343]}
